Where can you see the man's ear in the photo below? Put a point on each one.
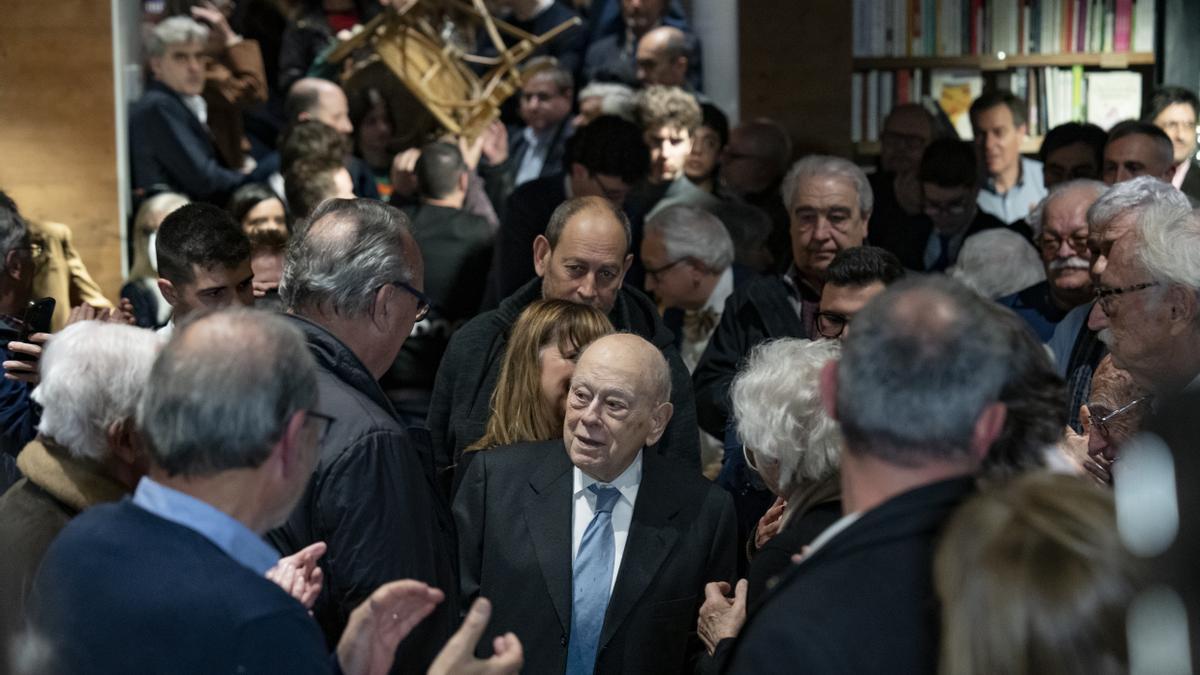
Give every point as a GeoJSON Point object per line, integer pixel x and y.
{"type": "Point", "coordinates": [379, 308]}
{"type": "Point", "coordinates": [13, 264]}
{"type": "Point", "coordinates": [121, 441]}
{"type": "Point", "coordinates": [156, 66]}
{"type": "Point", "coordinates": [625, 268]}
{"type": "Point", "coordinates": [288, 449]}
{"type": "Point", "coordinates": [168, 291]}
{"type": "Point", "coordinates": [1184, 306]}
{"type": "Point", "coordinates": [829, 387]}
{"type": "Point", "coordinates": [541, 254]}
{"type": "Point", "coordinates": [680, 66]}
{"type": "Point", "coordinates": [987, 429]}
{"type": "Point", "coordinates": [464, 179]}
{"type": "Point", "coordinates": [658, 422]}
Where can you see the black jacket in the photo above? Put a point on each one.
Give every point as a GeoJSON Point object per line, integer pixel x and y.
{"type": "Point", "coordinates": [372, 499]}
{"type": "Point", "coordinates": [758, 311]}
{"type": "Point", "coordinates": [526, 214]}
{"type": "Point", "coordinates": [463, 391]}
{"type": "Point", "coordinates": [514, 517]}
{"type": "Point", "coordinates": [864, 601]}
{"type": "Point", "coordinates": [171, 150]}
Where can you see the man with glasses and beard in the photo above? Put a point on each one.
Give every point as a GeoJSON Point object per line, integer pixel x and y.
{"type": "Point", "coordinates": [1062, 235]}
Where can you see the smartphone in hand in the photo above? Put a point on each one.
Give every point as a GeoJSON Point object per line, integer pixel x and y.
{"type": "Point", "coordinates": [35, 320]}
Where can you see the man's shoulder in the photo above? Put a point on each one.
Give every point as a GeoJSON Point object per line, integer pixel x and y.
{"type": "Point", "coordinates": [758, 290]}
{"type": "Point", "coordinates": [519, 456]}
{"type": "Point", "coordinates": [156, 99]}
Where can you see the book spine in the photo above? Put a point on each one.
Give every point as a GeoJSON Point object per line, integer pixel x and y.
{"type": "Point", "coordinates": [856, 108]}
{"type": "Point", "coordinates": [872, 111]}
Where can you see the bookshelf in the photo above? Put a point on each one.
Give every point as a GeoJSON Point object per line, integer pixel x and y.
{"type": "Point", "coordinates": [1070, 60]}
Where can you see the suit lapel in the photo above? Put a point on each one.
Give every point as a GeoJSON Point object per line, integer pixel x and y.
{"type": "Point", "coordinates": [548, 517]}
{"type": "Point", "coordinates": [650, 540]}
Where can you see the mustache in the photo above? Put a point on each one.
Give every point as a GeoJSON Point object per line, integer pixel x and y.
{"type": "Point", "coordinates": [1072, 263]}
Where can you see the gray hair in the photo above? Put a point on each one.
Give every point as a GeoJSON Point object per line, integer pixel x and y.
{"type": "Point", "coordinates": [93, 374]}
{"type": "Point", "coordinates": [1038, 214]}
{"type": "Point", "coordinates": [349, 249]}
{"type": "Point", "coordinates": [172, 31]}
{"type": "Point", "coordinates": [690, 232]}
{"type": "Point", "coordinates": [1134, 196]}
{"type": "Point", "coordinates": [615, 99]}
{"type": "Point", "coordinates": [926, 357]}
{"type": "Point", "coordinates": [777, 404]}
{"type": "Point", "coordinates": [998, 262]}
{"type": "Point", "coordinates": [209, 408]}
{"type": "Point", "coordinates": [1168, 245]}
{"type": "Point", "coordinates": [827, 166]}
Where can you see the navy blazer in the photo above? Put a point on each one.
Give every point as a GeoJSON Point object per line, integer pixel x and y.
{"type": "Point", "coordinates": [172, 151]}
{"type": "Point", "coordinates": [514, 510]}
{"type": "Point", "coordinates": [122, 590]}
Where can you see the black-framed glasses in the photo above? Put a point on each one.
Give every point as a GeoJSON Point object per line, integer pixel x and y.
{"type": "Point", "coordinates": [831, 324]}
{"type": "Point", "coordinates": [655, 271]}
{"type": "Point", "coordinates": [322, 421]}
{"type": "Point", "coordinates": [615, 193]}
{"type": "Point", "coordinates": [1101, 417]}
{"type": "Point", "coordinates": [423, 301]}
{"type": "Point", "coordinates": [1105, 296]}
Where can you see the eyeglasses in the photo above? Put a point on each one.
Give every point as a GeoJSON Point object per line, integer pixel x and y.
{"type": "Point", "coordinates": [1050, 243]}
{"type": "Point", "coordinates": [423, 301]}
{"type": "Point", "coordinates": [654, 272]}
{"type": "Point", "coordinates": [322, 421]}
{"type": "Point", "coordinates": [956, 208]}
{"type": "Point", "coordinates": [1106, 296]}
{"type": "Point", "coordinates": [1101, 417]}
{"type": "Point", "coordinates": [614, 193]}
{"type": "Point", "coordinates": [832, 324]}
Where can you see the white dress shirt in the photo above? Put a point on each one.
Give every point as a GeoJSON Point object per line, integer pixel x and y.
{"type": "Point", "coordinates": [536, 151]}
{"type": "Point", "coordinates": [622, 513]}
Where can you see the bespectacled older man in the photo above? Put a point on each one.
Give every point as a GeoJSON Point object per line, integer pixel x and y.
{"type": "Point", "coordinates": [596, 550]}
{"type": "Point", "coordinates": [1061, 223]}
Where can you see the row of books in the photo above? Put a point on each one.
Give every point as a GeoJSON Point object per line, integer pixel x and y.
{"type": "Point", "coordinates": [1053, 96]}
{"type": "Point", "coordinates": [901, 28]}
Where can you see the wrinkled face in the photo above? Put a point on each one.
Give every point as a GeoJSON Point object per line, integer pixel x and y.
{"type": "Point", "coordinates": [903, 141]}
{"type": "Point", "coordinates": [655, 67]}
{"type": "Point", "coordinates": [839, 304]}
{"type": "Point", "coordinates": [181, 68]}
{"type": "Point", "coordinates": [998, 138]}
{"type": "Point", "coordinates": [213, 288]}
{"type": "Point", "coordinates": [1179, 121]}
{"type": "Point", "coordinates": [333, 110]}
{"type": "Point", "coordinates": [701, 162]}
{"type": "Point", "coordinates": [556, 369]}
{"type": "Point", "coordinates": [950, 208]}
{"type": "Point", "coordinates": [1069, 163]}
{"type": "Point", "coordinates": [543, 104]}
{"type": "Point", "coordinates": [669, 149]}
{"type": "Point", "coordinates": [611, 412]}
{"type": "Point", "coordinates": [641, 15]}
{"type": "Point", "coordinates": [589, 262]}
{"type": "Point", "coordinates": [1131, 156]}
{"type": "Point", "coordinates": [669, 280]}
{"type": "Point", "coordinates": [1063, 242]}
{"type": "Point", "coordinates": [1135, 333]}
{"type": "Point", "coordinates": [267, 213]}
{"type": "Point", "coordinates": [825, 219]}
{"type": "Point", "coordinates": [268, 271]}
{"type": "Point", "coordinates": [374, 131]}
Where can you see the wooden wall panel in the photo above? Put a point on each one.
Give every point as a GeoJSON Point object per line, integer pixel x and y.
{"type": "Point", "coordinates": [795, 64]}
{"type": "Point", "coordinates": [57, 138]}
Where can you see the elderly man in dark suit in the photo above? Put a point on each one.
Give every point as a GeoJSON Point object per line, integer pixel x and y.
{"type": "Point", "coordinates": [594, 550]}
{"type": "Point", "coordinates": [171, 144]}
{"type": "Point", "coordinates": [916, 392]}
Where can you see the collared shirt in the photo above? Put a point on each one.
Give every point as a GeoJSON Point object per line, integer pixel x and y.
{"type": "Point", "coordinates": [692, 350]}
{"type": "Point", "coordinates": [839, 526]}
{"type": "Point", "coordinates": [198, 106]}
{"type": "Point", "coordinates": [1020, 199]}
{"type": "Point", "coordinates": [1181, 173]}
{"type": "Point", "coordinates": [622, 513]}
{"type": "Point", "coordinates": [537, 148]}
{"type": "Point", "coordinates": [933, 247]}
{"type": "Point", "coordinates": [229, 535]}
{"type": "Point", "coordinates": [804, 298]}
{"type": "Point", "coordinates": [166, 331]}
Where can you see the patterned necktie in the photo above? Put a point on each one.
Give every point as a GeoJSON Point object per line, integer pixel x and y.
{"type": "Point", "coordinates": [698, 324]}
{"type": "Point", "coordinates": [592, 574]}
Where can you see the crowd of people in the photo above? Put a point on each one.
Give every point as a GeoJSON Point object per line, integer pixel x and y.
{"type": "Point", "coordinates": [615, 387]}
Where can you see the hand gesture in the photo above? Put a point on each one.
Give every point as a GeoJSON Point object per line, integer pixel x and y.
{"type": "Point", "coordinates": [458, 656]}
{"type": "Point", "coordinates": [207, 13]}
{"type": "Point", "coordinates": [494, 143]}
{"type": "Point", "coordinates": [721, 617]}
{"type": "Point", "coordinates": [404, 177]}
{"type": "Point", "coordinates": [769, 524]}
{"type": "Point", "coordinates": [376, 627]}
{"type": "Point", "coordinates": [25, 370]}
{"type": "Point", "coordinates": [299, 575]}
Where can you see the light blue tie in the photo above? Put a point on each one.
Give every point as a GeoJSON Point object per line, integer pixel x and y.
{"type": "Point", "coordinates": [592, 573]}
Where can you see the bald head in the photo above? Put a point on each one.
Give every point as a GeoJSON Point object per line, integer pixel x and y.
{"type": "Point", "coordinates": [617, 405]}
{"type": "Point", "coordinates": [662, 57]}
{"type": "Point", "coordinates": [585, 253]}
{"type": "Point", "coordinates": [312, 98]}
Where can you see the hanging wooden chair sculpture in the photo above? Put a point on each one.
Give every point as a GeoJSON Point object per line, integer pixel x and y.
{"type": "Point", "coordinates": [415, 40]}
